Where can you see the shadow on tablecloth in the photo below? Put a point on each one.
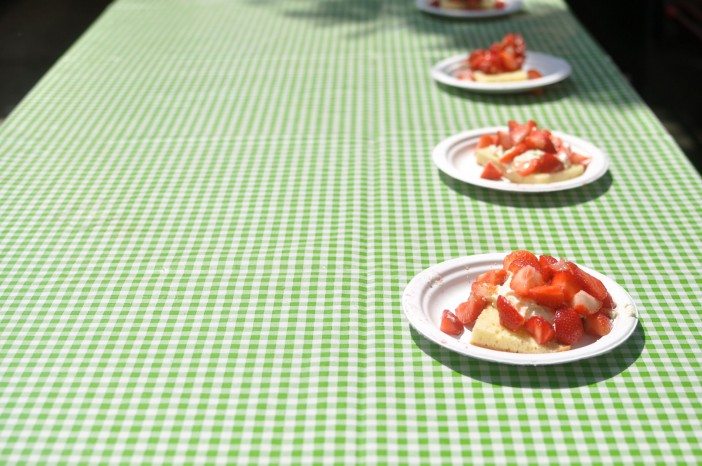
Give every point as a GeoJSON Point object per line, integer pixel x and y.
{"type": "Point", "coordinates": [565, 198]}
{"type": "Point", "coordinates": [575, 374]}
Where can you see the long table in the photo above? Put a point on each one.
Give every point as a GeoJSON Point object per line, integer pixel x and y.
{"type": "Point", "coordinates": [210, 210]}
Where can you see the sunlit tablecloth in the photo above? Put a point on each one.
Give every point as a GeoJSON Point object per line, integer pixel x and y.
{"type": "Point", "coordinates": [210, 210]}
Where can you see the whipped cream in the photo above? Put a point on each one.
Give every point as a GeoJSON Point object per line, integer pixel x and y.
{"type": "Point", "coordinates": [526, 307]}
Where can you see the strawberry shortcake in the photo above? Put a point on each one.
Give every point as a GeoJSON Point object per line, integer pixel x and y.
{"type": "Point", "coordinates": [502, 62]}
{"type": "Point", "coordinates": [525, 153]}
{"type": "Point", "coordinates": [533, 304]}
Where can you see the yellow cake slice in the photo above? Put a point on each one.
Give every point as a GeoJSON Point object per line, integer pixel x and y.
{"type": "Point", "coordinates": [512, 76]}
{"type": "Point", "coordinates": [463, 5]}
{"type": "Point", "coordinates": [489, 333]}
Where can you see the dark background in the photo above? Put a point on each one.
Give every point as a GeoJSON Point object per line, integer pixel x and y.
{"type": "Point", "coordinates": [656, 43]}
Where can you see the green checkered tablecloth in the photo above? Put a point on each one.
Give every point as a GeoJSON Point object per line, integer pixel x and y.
{"type": "Point", "coordinates": [210, 210]}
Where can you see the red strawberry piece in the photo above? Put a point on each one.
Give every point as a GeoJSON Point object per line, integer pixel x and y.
{"type": "Point", "coordinates": [549, 163]}
{"type": "Point", "coordinates": [570, 284]}
{"type": "Point", "coordinates": [547, 295]}
{"type": "Point", "coordinates": [528, 168]}
{"type": "Point", "coordinates": [598, 324]}
{"type": "Point", "coordinates": [475, 58]}
{"type": "Point", "coordinates": [509, 155]}
{"type": "Point", "coordinates": [470, 310]}
{"type": "Point", "coordinates": [518, 132]}
{"type": "Point", "coordinates": [487, 140]}
{"type": "Point", "coordinates": [591, 284]}
{"type": "Point", "coordinates": [450, 323]}
{"type": "Point", "coordinates": [585, 304]}
{"type": "Point", "coordinates": [540, 329]}
{"type": "Point", "coordinates": [568, 325]}
{"type": "Point", "coordinates": [509, 61]}
{"type": "Point", "coordinates": [557, 143]}
{"type": "Point", "coordinates": [483, 290]}
{"type": "Point", "coordinates": [578, 159]}
{"type": "Point", "coordinates": [525, 279]}
{"type": "Point", "coordinates": [499, 4]}
{"type": "Point", "coordinates": [534, 74]}
{"type": "Point", "coordinates": [519, 263]}
{"type": "Point", "coordinates": [514, 44]}
{"type": "Point", "coordinates": [516, 41]}
{"type": "Point", "coordinates": [493, 277]}
{"type": "Point", "coordinates": [525, 257]}
{"type": "Point", "coordinates": [510, 318]}
{"type": "Point", "coordinates": [560, 266]}
{"type": "Point", "coordinates": [545, 263]}
{"type": "Point", "coordinates": [506, 55]}
{"type": "Point", "coordinates": [504, 140]}
{"type": "Point", "coordinates": [491, 172]}
{"type": "Point", "coordinates": [540, 139]}
{"type": "Point", "coordinates": [490, 63]}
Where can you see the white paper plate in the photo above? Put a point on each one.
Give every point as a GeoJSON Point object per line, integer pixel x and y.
{"type": "Point", "coordinates": [511, 6]}
{"type": "Point", "coordinates": [552, 68]}
{"type": "Point", "coordinates": [455, 156]}
{"type": "Point", "coordinates": [446, 285]}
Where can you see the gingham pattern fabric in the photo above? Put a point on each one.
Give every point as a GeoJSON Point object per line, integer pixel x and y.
{"type": "Point", "coordinates": [210, 210]}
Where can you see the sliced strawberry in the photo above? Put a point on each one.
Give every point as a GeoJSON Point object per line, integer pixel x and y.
{"type": "Point", "coordinates": [540, 139]}
{"type": "Point", "coordinates": [557, 143]}
{"type": "Point", "coordinates": [450, 323]}
{"type": "Point", "coordinates": [598, 324]}
{"type": "Point", "coordinates": [509, 61]}
{"type": "Point", "coordinates": [549, 163]}
{"type": "Point", "coordinates": [509, 155]}
{"type": "Point", "coordinates": [525, 257]}
{"type": "Point", "coordinates": [540, 329]}
{"type": "Point", "coordinates": [470, 310]}
{"type": "Point", "coordinates": [528, 168]}
{"type": "Point", "coordinates": [534, 74]}
{"type": "Point", "coordinates": [585, 304]}
{"type": "Point", "coordinates": [519, 263]}
{"type": "Point", "coordinates": [570, 284]}
{"type": "Point", "coordinates": [483, 290]}
{"type": "Point", "coordinates": [510, 318]}
{"type": "Point", "coordinates": [525, 279]}
{"type": "Point", "coordinates": [504, 140]}
{"type": "Point", "coordinates": [568, 325]}
{"type": "Point", "coordinates": [518, 132]}
{"type": "Point", "coordinates": [545, 263]}
{"type": "Point", "coordinates": [515, 42]}
{"type": "Point", "coordinates": [475, 58]}
{"type": "Point", "coordinates": [591, 284]}
{"type": "Point", "coordinates": [547, 295]}
{"type": "Point", "coordinates": [560, 266]}
{"type": "Point", "coordinates": [578, 159]}
{"type": "Point", "coordinates": [493, 277]}
{"type": "Point", "coordinates": [491, 172]}
{"type": "Point", "coordinates": [500, 57]}
{"type": "Point", "coordinates": [487, 140]}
